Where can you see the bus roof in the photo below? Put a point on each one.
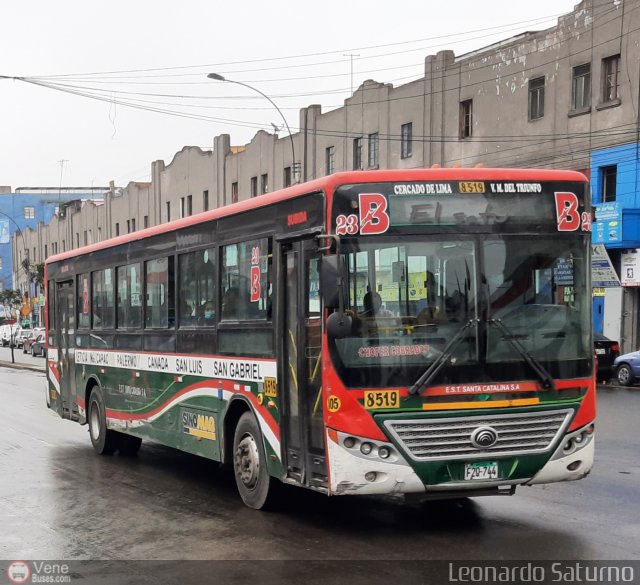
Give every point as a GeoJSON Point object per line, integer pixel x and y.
{"type": "Point", "coordinates": [329, 183]}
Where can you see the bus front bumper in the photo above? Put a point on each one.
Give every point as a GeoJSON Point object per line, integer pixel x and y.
{"type": "Point", "coordinates": [353, 471]}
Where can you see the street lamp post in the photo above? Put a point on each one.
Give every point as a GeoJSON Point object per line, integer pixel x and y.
{"type": "Point", "coordinates": [219, 77]}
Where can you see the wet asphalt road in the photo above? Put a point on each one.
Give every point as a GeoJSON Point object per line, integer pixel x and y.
{"type": "Point", "coordinates": [59, 500]}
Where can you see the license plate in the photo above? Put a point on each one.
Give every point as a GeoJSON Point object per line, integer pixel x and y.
{"type": "Point", "coordinates": [600, 351]}
{"type": "Point", "coordinates": [483, 470]}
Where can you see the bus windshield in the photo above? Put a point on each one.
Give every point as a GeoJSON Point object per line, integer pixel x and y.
{"type": "Point", "coordinates": [408, 300]}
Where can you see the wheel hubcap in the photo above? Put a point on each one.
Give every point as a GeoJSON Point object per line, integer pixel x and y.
{"type": "Point", "coordinates": [247, 461]}
{"type": "Point", "coordinates": [623, 375]}
{"type": "Point", "coordinates": [94, 422]}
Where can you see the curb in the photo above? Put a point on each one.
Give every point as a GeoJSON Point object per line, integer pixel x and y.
{"type": "Point", "coordinates": [20, 366]}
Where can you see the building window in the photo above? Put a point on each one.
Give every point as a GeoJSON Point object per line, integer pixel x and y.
{"type": "Point", "coordinates": [86, 239]}
{"type": "Point", "coordinates": [330, 157]}
{"type": "Point", "coordinates": [99, 234]}
{"type": "Point", "coordinates": [286, 177]}
{"type": "Point", "coordinates": [46, 254]}
{"type": "Point", "coordinates": [536, 98]}
{"type": "Point", "coordinates": [374, 145]}
{"type": "Point", "coordinates": [234, 192]}
{"type": "Point", "coordinates": [205, 201]}
{"type": "Point", "coordinates": [611, 78]}
{"type": "Point", "coordinates": [357, 154]}
{"type": "Point", "coordinates": [406, 140]}
{"type": "Point", "coordinates": [264, 184]}
{"type": "Point", "coordinates": [609, 178]}
{"type": "Point", "coordinates": [117, 229]}
{"type": "Point", "coordinates": [29, 212]}
{"type": "Point", "coordinates": [77, 239]}
{"type": "Point", "coordinates": [466, 118]}
{"type": "Point", "coordinates": [133, 224]}
{"type": "Point", "coordinates": [182, 207]}
{"type": "Point", "coordinates": [128, 226]}
{"type": "Point", "coordinates": [189, 205]}
{"type": "Point", "coordinates": [145, 221]}
{"type": "Point", "coordinates": [168, 204]}
{"type": "Point", "coordinates": [581, 87]}
{"type": "Point", "coordinates": [254, 186]}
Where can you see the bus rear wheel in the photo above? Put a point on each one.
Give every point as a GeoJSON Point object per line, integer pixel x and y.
{"type": "Point", "coordinates": [250, 463]}
{"type": "Point", "coordinates": [104, 441]}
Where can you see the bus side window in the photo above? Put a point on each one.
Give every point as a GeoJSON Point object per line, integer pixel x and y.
{"type": "Point", "coordinates": [196, 284]}
{"type": "Point", "coordinates": [159, 281]}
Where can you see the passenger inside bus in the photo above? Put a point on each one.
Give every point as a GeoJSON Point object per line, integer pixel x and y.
{"type": "Point", "coordinates": [231, 303]}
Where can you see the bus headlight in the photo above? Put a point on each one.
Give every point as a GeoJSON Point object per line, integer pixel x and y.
{"type": "Point", "coordinates": [366, 448]}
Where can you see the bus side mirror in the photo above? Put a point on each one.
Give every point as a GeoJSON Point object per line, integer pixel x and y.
{"type": "Point", "coordinates": [330, 281]}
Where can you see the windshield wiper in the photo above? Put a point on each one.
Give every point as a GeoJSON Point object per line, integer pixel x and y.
{"type": "Point", "coordinates": [432, 371]}
{"type": "Point", "coordinates": [536, 366]}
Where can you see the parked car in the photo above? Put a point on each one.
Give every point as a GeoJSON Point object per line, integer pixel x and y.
{"type": "Point", "coordinates": [627, 368]}
{"type": "Point", "coordinates": [607, 351]}
{"type": "Point", "coordinates": [39, 345]}
{"type": "Point", "coordinates": [28, 341]}
{"type": "Point", "coordinates": [21, 335]}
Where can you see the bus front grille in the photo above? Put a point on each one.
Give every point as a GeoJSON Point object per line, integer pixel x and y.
{"type": "Point", "coordinates": [453, 438]}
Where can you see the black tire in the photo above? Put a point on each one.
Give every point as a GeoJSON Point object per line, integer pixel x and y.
{"type": "Point", "coordinates": [625, 375]}
{"type": "Point", "coordinates": [128, 445]}
{"type": "Point", "coordinates": [104, 441]}
{"type": "Point", "coordinates": [24, 349]}
{"type": "Point", "coordinates": [250, 463]}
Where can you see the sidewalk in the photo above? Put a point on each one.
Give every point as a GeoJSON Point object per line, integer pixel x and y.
{"type": "Point", "coordinates": [22, 366]}
{"type": "Point", "coordinates": [22, 361]}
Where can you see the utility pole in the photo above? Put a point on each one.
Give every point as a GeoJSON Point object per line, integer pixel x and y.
{"type": "Point", "coordinates": [351, 56]}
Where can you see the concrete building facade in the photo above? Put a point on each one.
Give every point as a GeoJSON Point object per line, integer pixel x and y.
{"type": "Point", "coordinates": [549, 98]}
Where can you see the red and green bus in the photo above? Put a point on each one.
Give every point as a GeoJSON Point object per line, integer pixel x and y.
{"type": "Point", "coordinates": [421, 331]}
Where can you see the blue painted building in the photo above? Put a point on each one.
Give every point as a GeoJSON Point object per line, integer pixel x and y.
{"type": "Point", "coordinates": [615, 186]}
{"type": "Point", "coordinates": [26, 208]}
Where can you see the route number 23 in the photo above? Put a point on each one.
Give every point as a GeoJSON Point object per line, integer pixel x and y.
{"type": "Point", "coordinates": [372, 217]}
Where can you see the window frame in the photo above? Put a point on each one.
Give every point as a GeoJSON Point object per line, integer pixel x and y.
{"type": "Point", "coordinates": [406, 140]}
{"type": "Point", "coordinates": [581, 87]}
{"type": "Point", "coordinates": [536, 104]}
{"type": "Point", "coordinates": [373, 150]}
{"type": "Point", "coordinates": [329, 160]}
{"type": "Point", "coordinates": [609, 71]}
{"type": "Point", "coordinates": [606, 173]}
{"type": "Point", "coordinates": [466, 119]}
{"type": "Point", "coordinates": [357, 153]}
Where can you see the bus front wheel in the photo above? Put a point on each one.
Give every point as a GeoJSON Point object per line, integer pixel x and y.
{"type": "Point", "coordinates": [250, 463]}
{"type": "Point", "coordinates": [104, 441]}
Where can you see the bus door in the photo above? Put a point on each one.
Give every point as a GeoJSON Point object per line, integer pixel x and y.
{"type": "Point", "coordinates": [65, 304]}
{"type": "Point", "coordinates": [301, 369]}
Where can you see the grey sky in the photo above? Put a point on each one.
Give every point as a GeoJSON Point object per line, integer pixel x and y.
{"type": "Point", "coordinates": [254, 42]}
